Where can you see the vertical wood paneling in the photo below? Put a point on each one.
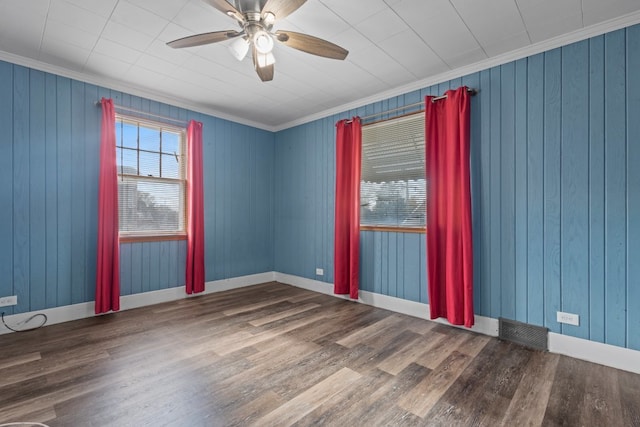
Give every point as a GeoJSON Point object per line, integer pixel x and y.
{"type": "Point", "coordinates": [495, 203]}
{"type": "Point", "coordinates": [535, 190]}
{"type": "Point", "coordinates": [92, 163]}
{"type": "Point", "coordinates": [155, 263]}
{"type": "Point", "coordinates": [574, 185]}
{"type": "Point", "coordinates": [485, 195]}
{"type": "Point", "coordinates": [596, 190]}
{"type": "Point", "coordinates": [37, 226]}
{"type": "Point", "coordinates": [125, 269]}
{"type": "Point", "coordinates": [507, 190]}
{"type": "Point", "coordinates": [411, 266]}
{"type": "Point", "coordinates": [21, 259]}
{"type": "Point", "coordinates": [6, 180]}
{"type": "Point", "coordinates": [377, 262]}
{"type": "Point", "coordinates": [49, 186]}
{"type": "Point", "coordinates": [520, 191]}
{"type": "Point", "coordinates": [145, 254]}
{"type": "Point", "coordinates": [137, 272]}
{"type": "Point", "coordinates": [615, 188]}
{"type": "Point", "coordinates": [555, 197]}
{"type": "Point", "coordinates": [551, 221]}
{"type": "Point", "coordinates": [633, 187]}
{"type": "Point", "coordinates": [51, 190]}
{"type": "Point", "coordinates": [78, 200]}
{"type": "Point", "coordinates": [556, 194]}
{"type": "Point", "coordinates": [471, 81]}
{"type": "Point", "coordinates": [63, 137]}
{"type": "Point", "coordinates": [163, 273]}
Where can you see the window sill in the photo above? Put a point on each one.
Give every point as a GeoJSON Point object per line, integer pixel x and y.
{"type": "Point", "coordinates": [393, 229]}
{"type": "Point", "coordinates": [151, 238]}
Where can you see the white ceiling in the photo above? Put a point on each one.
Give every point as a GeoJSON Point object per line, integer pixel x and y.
{"type": "Point", "coordinates": [393, 44]}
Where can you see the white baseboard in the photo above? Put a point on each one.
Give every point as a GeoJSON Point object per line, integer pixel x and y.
{"type": "Point", "coordinates": [604, 354]}
{"type": "Point", "coordinates": [596, 352]}
{"type": "Point", "coordinates": [591, 351]}
{"type": "Point", "coordinates": [483, 325]}
{"type": "Point", "coordinates": [81, 311]}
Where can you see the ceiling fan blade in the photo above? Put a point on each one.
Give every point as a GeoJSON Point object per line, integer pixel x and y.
{"type": "Point", "coordinates": [226, 8]}
{"type": "Point", "coordinates": [204, 38]}
{"type": "Point", "coordinates": [310, 44]}
{"type": "Point", "coordinates": [265, 72]}
{"type": "Point", "coordinates": [281, 8]}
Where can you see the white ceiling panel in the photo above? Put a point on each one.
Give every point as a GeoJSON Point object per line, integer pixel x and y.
{"type": "Point", "coordinates": [198, 17]}
{"type": "Point", "coordinates": [61, 54]}
{"type": "Point", "coordinates": [535, 12]}
{"type": "Point", "coordinates": [318, 20]}
{"type": "Point", "coordinates": [382, 25]}
{"type": "Point", "coordinates": [143, 21]}
{"type": "Point", "coordinates": [75, 16]}
{"type": "Point", "coordinates": [554, 27]}
{"type": "Point", "coordinates": [508, 44]}
{"type": "Point", "coordinates": [117, 51]}
{"type": "Point", "coordinates": [103, 65]}
{"type": "Point", "coordinates": [486, 31]}
{"type": "Point", "coordinates": [408, 48]}
{"type": "Point", "coordinates": [165, 9]}
{"type": "Point", "coordinates": [355, 12]}
{"type": "Point", "coordinates": [21, 29]}
{"type": "Point", "coordinates": [599, 10]}
{"type": "Point", "coordinates": [392, 44]}
{"type": "Point", "coordinates": [460, 59]}
{"type": "Point", "coordinates": [71, 35]}
{"type": "Point", "coordinates": [441, 28]}
{"type": "Point", "coordinates": [100, 7]}
{"type": "Point", "coordinates": [126, 36]}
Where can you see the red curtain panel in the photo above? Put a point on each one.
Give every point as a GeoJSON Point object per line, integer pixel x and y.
{"type": "Point", "coordinates": [194, 281]}
{"type": "Point", "coordinates": [449, 237]}
{"type": "Point", "coordinates": [347, 207]}
{"type": "Point", "coordinates": [108, 264]}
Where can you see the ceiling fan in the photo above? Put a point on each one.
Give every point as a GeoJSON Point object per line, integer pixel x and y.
{"type": "Point", "coordinates": [256, 19]}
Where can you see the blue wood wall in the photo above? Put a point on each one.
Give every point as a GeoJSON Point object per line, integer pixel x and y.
{"type": "Point", "coordinates": [556, 193]}
{"type": "Point", "coordinates": [49, 156]}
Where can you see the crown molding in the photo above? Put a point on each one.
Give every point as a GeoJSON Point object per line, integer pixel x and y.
{"type": "Point", "coordinates": [121, 86]}
{"type": "Point", "coordinates": [546, 45]}
{"type": "Point", "coordinates": [114, 84]}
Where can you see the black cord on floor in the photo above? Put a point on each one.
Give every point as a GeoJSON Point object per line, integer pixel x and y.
{"type": "Point", "coordinates": [44, 321]}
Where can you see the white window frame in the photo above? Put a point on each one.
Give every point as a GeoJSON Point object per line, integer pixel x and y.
{"type": "Point", "coordinates": [152, 235]}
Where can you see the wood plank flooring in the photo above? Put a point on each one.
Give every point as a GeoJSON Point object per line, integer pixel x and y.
{"type": "Point", "coordinates": [275, 355]}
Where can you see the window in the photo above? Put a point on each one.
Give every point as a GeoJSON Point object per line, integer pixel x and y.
{"type": "Point", "coordinates": [392, 184]}
{"type": "Point", "coordinates": [151, 178]}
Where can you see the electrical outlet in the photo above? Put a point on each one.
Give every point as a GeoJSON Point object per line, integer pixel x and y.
{"type": "Point", "coordinates": [568, 318]}
{"type": "Point", "coordinates": [5, 301]}
{"type": "Point", "coordinates": [319, 272]}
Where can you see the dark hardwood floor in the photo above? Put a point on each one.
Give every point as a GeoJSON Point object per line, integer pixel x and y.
{"type": "Point", "coordinates": [275, 355]}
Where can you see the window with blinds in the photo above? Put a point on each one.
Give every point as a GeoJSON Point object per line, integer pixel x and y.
{"type": "Point", "coordinates": [393, 185]}
{"type": "Point", "coordinates": [151, 178]}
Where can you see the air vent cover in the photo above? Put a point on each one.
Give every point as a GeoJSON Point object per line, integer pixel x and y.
{"type": "Point", "coordinates": [523, 333]}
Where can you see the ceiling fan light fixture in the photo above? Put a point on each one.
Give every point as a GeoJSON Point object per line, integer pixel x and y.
{"type": "Point", "coordinates": [269, 19]}
{"type": "Point", "coordinates": [263, 42]}
{"type": "Point", "coordinates": [264, 60]}
{"type": "Point", "coordinates": [239, 48]}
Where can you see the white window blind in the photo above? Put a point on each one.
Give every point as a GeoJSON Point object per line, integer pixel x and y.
{"type": "Point", "coordinates": [151, 177]}
{"type": "Point", "coordinates": [393, 185]}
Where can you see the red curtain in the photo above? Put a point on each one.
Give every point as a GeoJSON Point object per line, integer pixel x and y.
{"type": "Point", "coordinates": [194, 281]}
{"type": "Point", "coordinates": [108, 268]}
{"type": "Point", "coordinates": [347, 207]}
{"type": "Point", "coordinates": [449, 239]}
